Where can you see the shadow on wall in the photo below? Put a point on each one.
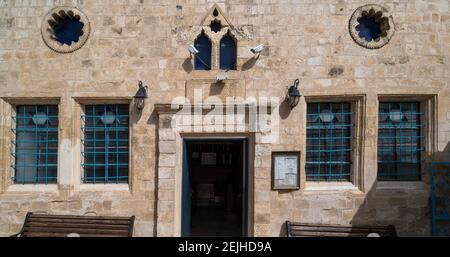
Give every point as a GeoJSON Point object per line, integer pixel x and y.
{"type": "Point", "coordinates": [443, 156]}
{"type": "Point", "coordinates": [409, 210]}
{"type": "Point", "coordinates": [187, 65]}
{"type": "Point", "coordinates": [153, 120]}
{"type": "Point", "coordinates": [284, 110]}
{"type": "Point", "coordinates": [249, 63]}
{"type": "Point", "coordinates": [216, 88]}
{"type": "Point", "coordinates": [135, 114]}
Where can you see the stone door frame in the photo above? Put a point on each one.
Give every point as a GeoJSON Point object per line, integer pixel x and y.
{"type": "Point", "coordinates": [242, 137]}
{"type": "Point", "coordinates": [169, 167]}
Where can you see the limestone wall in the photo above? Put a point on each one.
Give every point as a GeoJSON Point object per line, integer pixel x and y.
{"type": "Point", "coordinates": [134, 40]}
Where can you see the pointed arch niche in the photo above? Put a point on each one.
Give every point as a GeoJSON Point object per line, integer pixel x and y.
{"type": "Point", "coordinates": [215, 42]}
{"type": "Point", "coordinates": [228, 52]}
{"type": "Point", "coordinates": [203, 58]}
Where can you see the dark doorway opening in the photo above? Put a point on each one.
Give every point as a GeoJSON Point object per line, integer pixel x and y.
{"type": "Point", "coordinates": [214, 188]}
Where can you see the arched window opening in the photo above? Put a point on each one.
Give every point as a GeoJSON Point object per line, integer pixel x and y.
{"type": "Point", "coordinates": [67, 27]}
{"type": "Point", "coordinates": [203, 58]}
{"type": "Point", "coordinates": [228, 53]}
{"type": "Point", "coordinates": [372, 25]}
{"type": "Point", "coordinates": [215, 13]}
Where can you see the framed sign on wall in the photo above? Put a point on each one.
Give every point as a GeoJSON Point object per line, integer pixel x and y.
{"type": "Point", "coordinates": [285, 170]}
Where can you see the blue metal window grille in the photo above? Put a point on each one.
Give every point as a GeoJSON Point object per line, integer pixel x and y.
{"type": "Point", "coordinates": [228, 53]}
{"type": "Point", "coordinates": [203, 58]}
{"type": "Point", "coordinates": [36, 144]}
{"type": "Point", "coordinates": [328, 142]}
{"type": "Point", "coordinates": [105, 143]}
{"type": "Point", "coordinates": [399, 141]}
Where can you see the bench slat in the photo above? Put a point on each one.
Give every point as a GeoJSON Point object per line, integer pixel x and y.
{"type": "Point", "coordinates": [77, 230]}
{"type": "Point", "coordinates": [77, 217]}
{"type": "Point", "coordinates": [78, 225]}
{"type": "Point", "coordinates": [46, 234]}
{"type": "Point", "coordinates": [325, 234]}
{"type": "Point", "coordinates": [84, 221]}
{"type": "Point", "coordinates": [293, 224]}
{"type": "Point", "coordinates": [332, 232]}
{"type": "Point", "coordinates": [325, 230]}
{"type": "Point", "coordinates": [44, 225]}
{"type": "Point", "coordinates": [340, 229]}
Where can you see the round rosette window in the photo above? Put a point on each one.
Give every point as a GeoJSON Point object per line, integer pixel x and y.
{"type": "Point", "coordinates": [371, 26]}
{"type": "Point", "coordinates": [65, 29]}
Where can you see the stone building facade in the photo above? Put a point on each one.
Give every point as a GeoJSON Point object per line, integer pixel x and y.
{"type": "Point", "coordinates": [128, 41]}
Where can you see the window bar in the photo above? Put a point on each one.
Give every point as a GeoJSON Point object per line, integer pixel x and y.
{"type": "Point", "coordinates": [319, 145]}
{"type": "Point", "coordinates": [343, 118]}
{"type": "Point", "coordinates": [399, 147]}
{"type": "Point", "coordinates": [46, 148]}
{"type": "Point", "coordinates": [106, 146]}
{"type": "Point", "coordinates": [95, 145]}
{"type": "Point", "coordinates": [24, 136]}
{"type": "Point", "coordinates": [327, 147]}
{"type": "Point", "coordinates": [36, 148]}
{"type": "Point", "coordinates": [411, 140]}
{"type": "Point", "coordinates": [391, 131]}
{"type": "Point", "coordinates": [395, 126]}
{"type": "Point", "coordinates": [117, 144]}
{"type": "Point", "coordinates": [331, 144]}
{"type": "Point", "coordinates": [418, 140]}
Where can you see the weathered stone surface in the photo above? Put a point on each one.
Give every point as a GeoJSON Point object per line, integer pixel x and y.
{"type": "Point", "coordinates": [308, 40]}
{"type": "Point", "coordinates": [167, 146]}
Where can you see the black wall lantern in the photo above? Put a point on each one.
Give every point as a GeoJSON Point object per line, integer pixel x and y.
{"type": "Point", "coordinates": [140, 96]}
{"type": "Point", "coordinates": [293, 95]}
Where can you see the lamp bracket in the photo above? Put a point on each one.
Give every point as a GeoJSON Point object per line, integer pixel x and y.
{"type": "Point", "coordinates": [296, 82]}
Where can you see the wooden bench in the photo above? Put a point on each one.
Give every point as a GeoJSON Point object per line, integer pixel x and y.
{"type": "Point", "coordinates": [43, 225]}
{"type": "Point", "coordinates": [294, 229]}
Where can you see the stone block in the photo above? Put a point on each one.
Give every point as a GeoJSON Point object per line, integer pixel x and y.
{"type": "Point", "coordinates": [167, 147]}
{"type": "Point", "coordinates": [262, 230]}
{"type": "Point", "coordinates": [164, 172]}
{"type": "Point", "coordinates": [166, 134]}
{"type": "Point", "coordinates": [166, 160]}
{"type": "Point", "coordinates": [314, 61]}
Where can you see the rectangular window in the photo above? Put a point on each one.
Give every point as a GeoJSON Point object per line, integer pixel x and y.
{"type": "Point", "coordinates": [36, 144]}
{"type": "Point", "coordinates": [399, 141]}
{"type": "Point", "coordinates": [105, 143]}
{"type": "Point", "coordinates": [328, 142]}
